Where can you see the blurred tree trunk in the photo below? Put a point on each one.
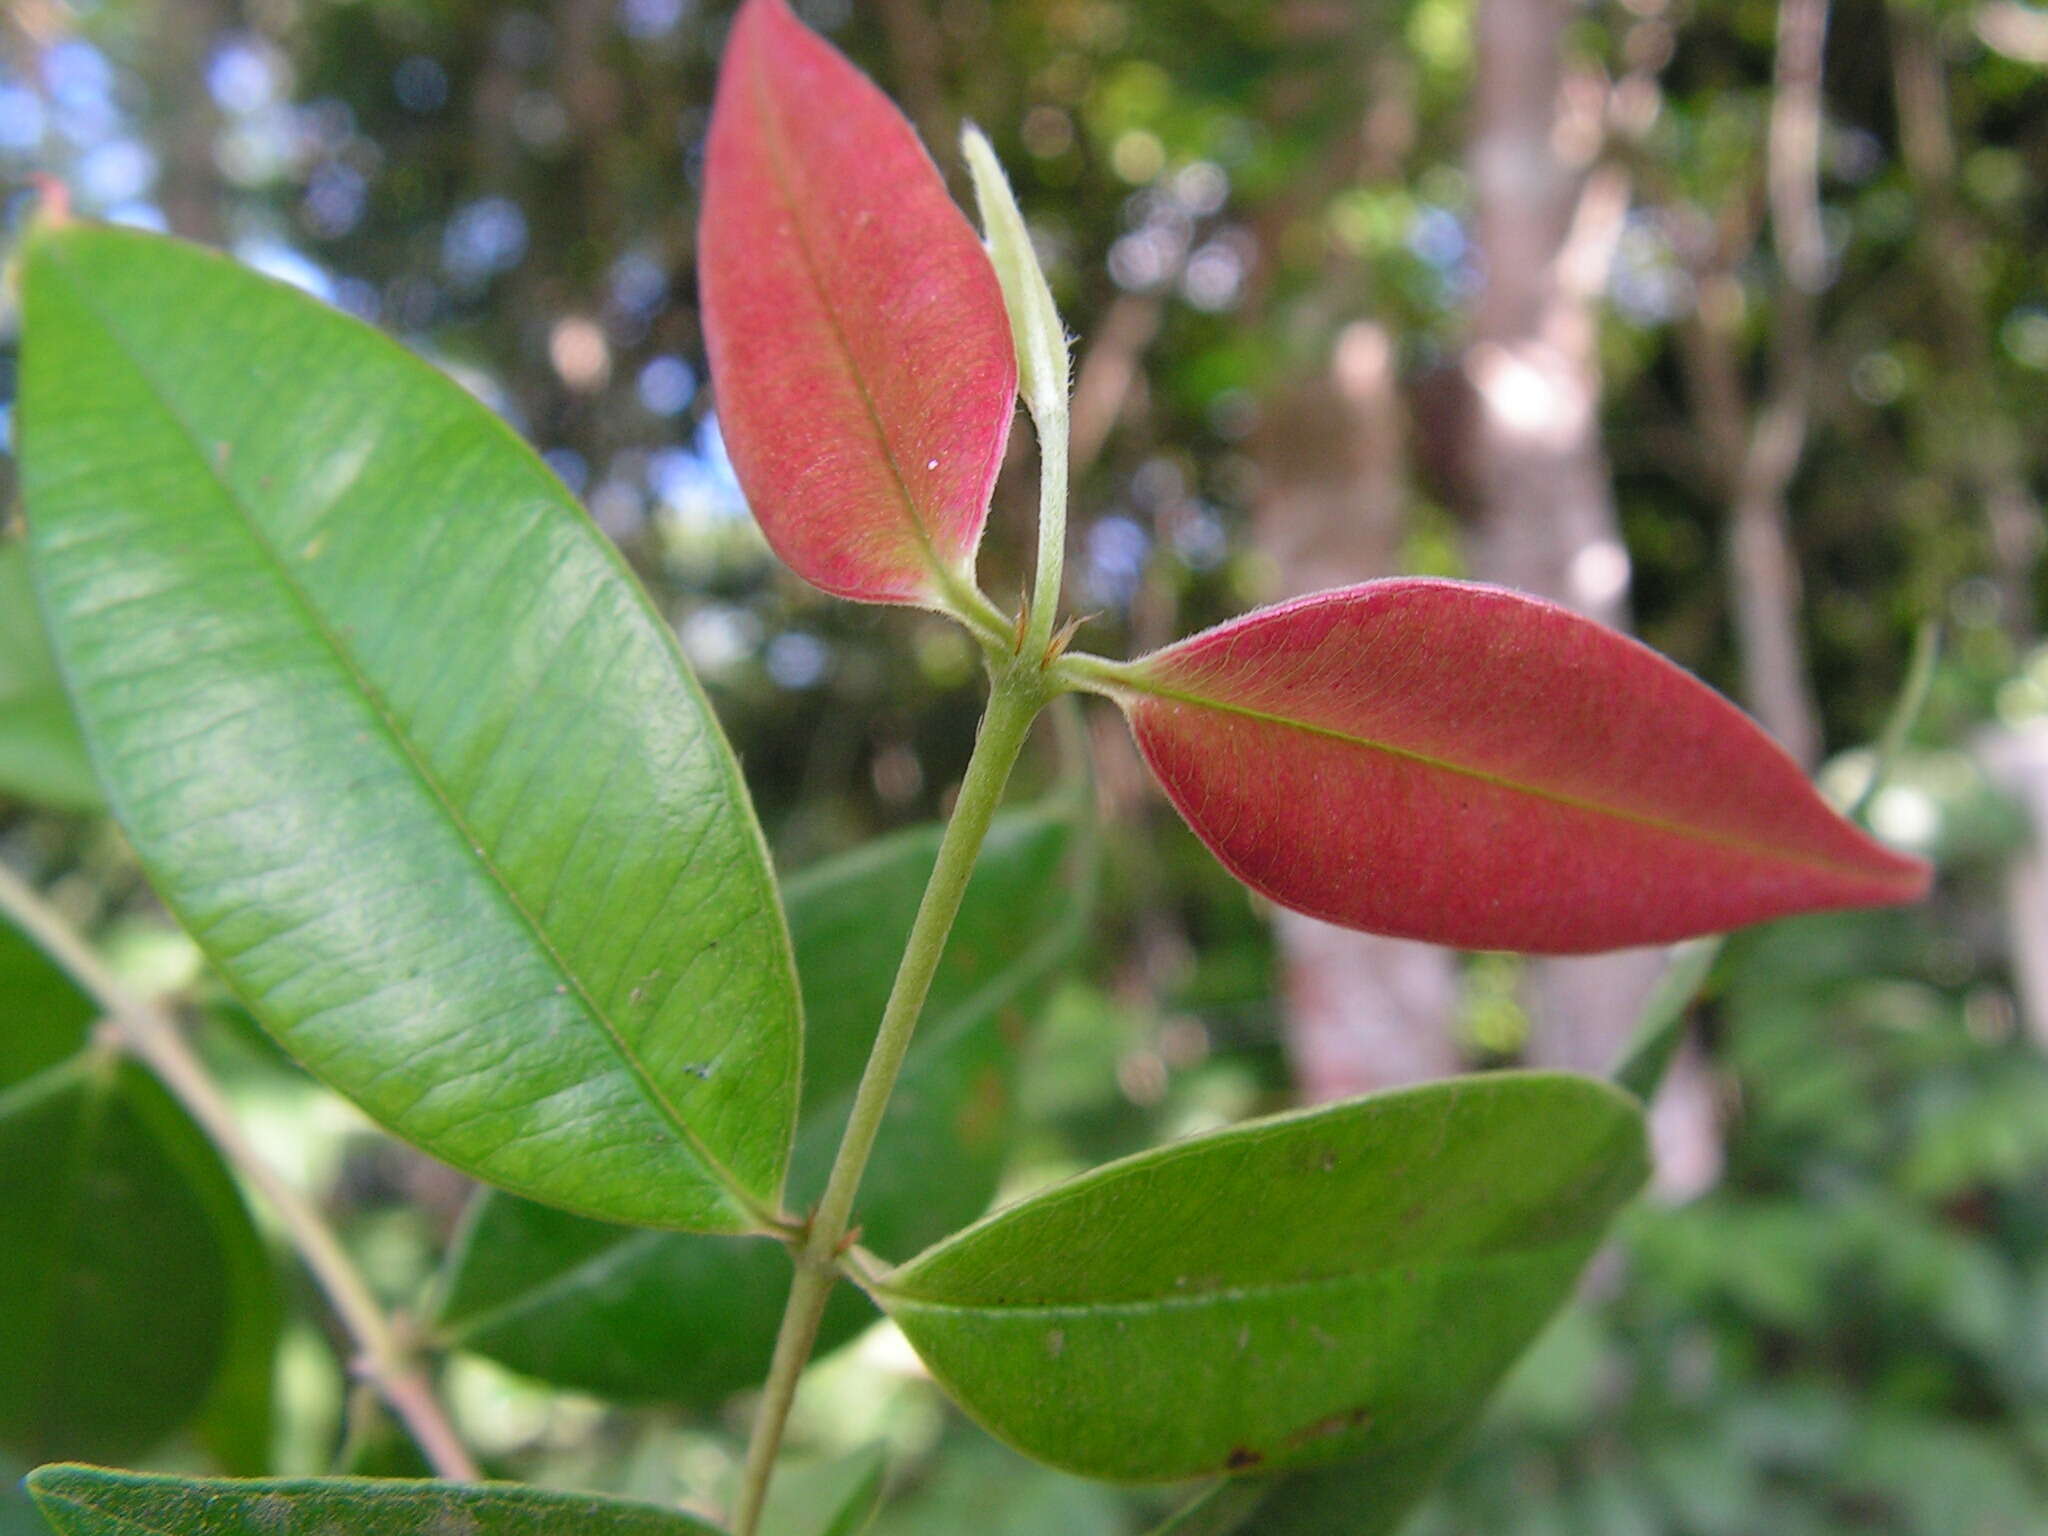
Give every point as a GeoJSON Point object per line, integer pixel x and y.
{"type": "Point", "coordinates": [190, 183]}
{"type": "Point", "coordinates": [1547, 220]}
{"type": "Point", "coordinates": [1363, 1012]}
{"type": "Point", "coordinates": [1988, 449]}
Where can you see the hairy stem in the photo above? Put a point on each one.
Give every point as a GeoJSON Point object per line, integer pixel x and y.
{"type": "Point", "coordinates": [146, 1030]}
{"type": "Point", "coordinates": [1021, 690]}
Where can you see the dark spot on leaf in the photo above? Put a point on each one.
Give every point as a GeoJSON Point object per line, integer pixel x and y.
{"type": "Point", "coordinates": [1334, 1424]}
{"type": "Point", "coordinates": [1241, 1457]}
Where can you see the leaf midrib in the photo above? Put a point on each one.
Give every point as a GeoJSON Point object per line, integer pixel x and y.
{"type": "Point", "coordinates": [1196, 1298]}
{"type": "Point", "coordinates": [779, 168]}
{"type": "Point", "coordinates": [744, 1202]}
{"type": "Point", "coordinates": [1138, 682]}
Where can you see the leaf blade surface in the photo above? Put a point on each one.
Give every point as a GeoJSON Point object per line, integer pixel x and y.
{"type": "Point", "coordinates": [397, 738]}
{"type": "Point", "coordinates": [644, 1316]}
{"type": "Point", "coordinates": [858, 340]}
{"type": "Point", "coordinates": [1465, 765]}
{"type": "Point", "coordinates": [42, 758]}
{"type": "Point", "coordinates": [1347, 1283]}
{"type": "Point", "coordinates": [92, 1501]}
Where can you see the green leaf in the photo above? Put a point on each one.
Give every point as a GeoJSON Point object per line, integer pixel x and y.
{"type": "Point", "coordinates": [650, 1316]}
{"type": "Point", "coordinates": [124, 1232]}
{"type": "Point", "coordinates": [1647, 1056]}
{"type": "Point", "coordinates": [237, 1420]}
{"type": "Point", "coordinates": [830, 1498]}
{"type": "Point", "coordinates": [42, 756]}
{"type": "Point", "coordinates": [129, 1253]}
{"type": "Point", "coordinates": [1347, 1283]}
{"type": "Point", "coordinates": [400, 742]}
{"type": "Point", "coordinates": [89, 1501]}
{"type": "Point", "coordinates": [44, 1017]}
{"type": "Point", "coordinates": [1369, 1498]}
{"type": "Point", "coordinates": [1219, 1509]}
{"type": "Point", "coordinates": [978, 1488]}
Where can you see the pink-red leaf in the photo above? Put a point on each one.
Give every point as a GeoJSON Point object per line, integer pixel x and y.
{"type": "Point", "coordinates": [865, 372]}
{"type": "Point", "coordinates": [1463, 764]}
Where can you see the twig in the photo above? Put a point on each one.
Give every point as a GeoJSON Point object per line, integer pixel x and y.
{"type": "Point", "coordinates": [383, 1360]}
{"type": "Point", "coordinates": [1019, 693]}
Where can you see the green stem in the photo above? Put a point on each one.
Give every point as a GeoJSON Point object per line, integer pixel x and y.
{"type": "Point", "coordinates": [1020, 691]}
{"type": "Point", "coordinates": [994, 629]}
{"type": "Point", "coordinates": [383, 1358]}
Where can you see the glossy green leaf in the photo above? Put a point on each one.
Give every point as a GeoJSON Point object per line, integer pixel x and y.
{"type": "Point", "coordinates": [652, 1316]}
{"type": "Point", "coordinates": [1347, 1283]}
{"type": "Point", "coordinates": [1647, 1056]}
{"type": "Point", "coordinates": [128, 1252]}
{"type": "Point", "coordinates": [831, 1498]}
{"type": "Point", "coordinates": [42, 756]}
{"type": "Point", "coordinates": [91, 1501]}
{"type": "Point", "coordinates": [398, 739]}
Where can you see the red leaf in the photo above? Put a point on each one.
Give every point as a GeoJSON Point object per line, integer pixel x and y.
{"type": "Point", "coordinates": [1462, 764]}
{"type": "Point", "coordinates": [865, 372]}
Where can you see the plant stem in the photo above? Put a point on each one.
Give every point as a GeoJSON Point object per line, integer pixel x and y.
{"type": "Point", "coordinates": [383, 1360]}
{"type": "Point", "coordinates": [1020, 691]}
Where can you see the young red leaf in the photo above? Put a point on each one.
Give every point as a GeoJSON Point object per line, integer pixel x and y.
{"type": "Point", "coordinates": [1462, 764]}
{"type": "Point", "coordinates": [858, 339]}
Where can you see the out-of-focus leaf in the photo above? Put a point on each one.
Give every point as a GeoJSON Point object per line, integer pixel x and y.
{"type": "Point", "coordinates": [398, 739]}
{"type": "Point", "coordinates": [982, 1489]}
{"type": "Point", "coordinates": [1647, 1056]}
{"type": "Point", "coordinates": [640, 1315]}
{"type": "Point", "coordinates": [127, 1249]}
{"type": "Point", "coordinates": [1466, 765]}
{"type": "Point", "coordinates": [1344, 1284]}
{"type": "Point", "coordinates": [90, 1501]}
{"type": "Point", "coordinates": [236, 1423]}
{"type": "Point", "coordinates": [1224, 1507]}
{"type": "Point", "coordinates": [44, 1017]}
{"type": "Point", "coordinates": [832, 1498]}
{"type": "Point", "coordinates": [1936, 1478]}
{"type": "Point", "coordinates": [42, 756]}
{"type": "Point", "coordinates": [1371, 1498]}
{"type": "Point", "coordinates": [125, 1236]}
{"type": "Point", "coordinates": [866, 377]}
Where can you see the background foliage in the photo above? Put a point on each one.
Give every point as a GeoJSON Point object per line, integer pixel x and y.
{"type": "Point", "coordinates": [1849, 1332]}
